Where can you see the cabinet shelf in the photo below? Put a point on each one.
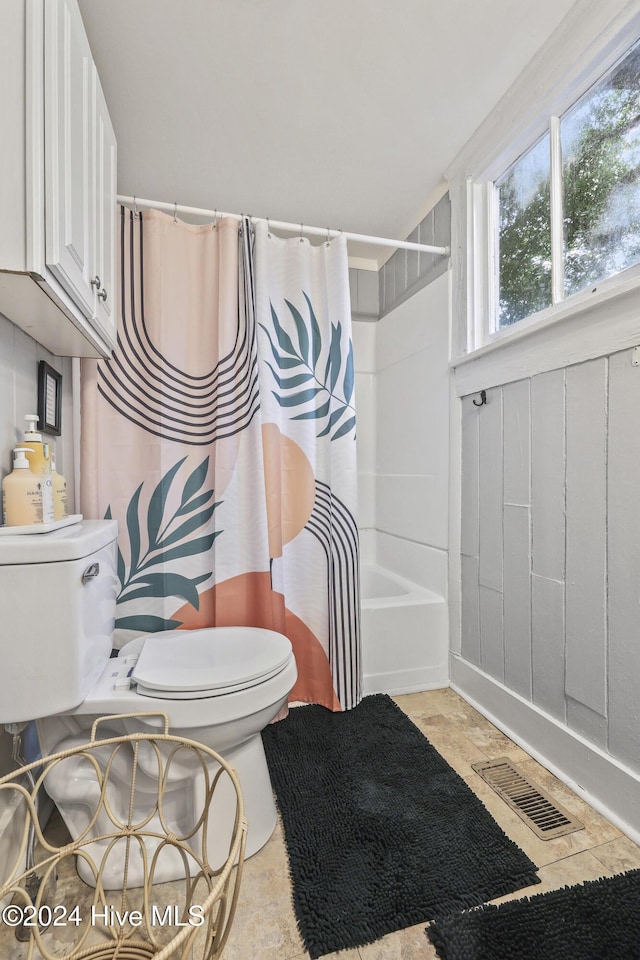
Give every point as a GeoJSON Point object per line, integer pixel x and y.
{"type": "Point", "coordinates": [58, 192]}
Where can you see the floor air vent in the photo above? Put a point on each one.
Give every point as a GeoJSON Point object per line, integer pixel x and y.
{"type": "Point", "coordinates": [545, 817]}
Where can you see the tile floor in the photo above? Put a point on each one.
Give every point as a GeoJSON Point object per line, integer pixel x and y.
{"type": "Point", "coordinates": [265, 925]}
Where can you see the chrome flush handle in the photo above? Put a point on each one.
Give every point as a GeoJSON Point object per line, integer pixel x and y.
{"type": "Point", "coordinates": [92, 571]}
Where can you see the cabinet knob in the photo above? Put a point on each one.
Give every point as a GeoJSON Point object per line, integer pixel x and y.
{"type": "Point", "coordinates": [102, 294]}
{"type": "Point", "coordinates": [96, 282]}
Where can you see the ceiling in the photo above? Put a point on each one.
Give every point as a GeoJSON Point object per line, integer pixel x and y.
{"type": "Point", "coordinates": [340, 113]}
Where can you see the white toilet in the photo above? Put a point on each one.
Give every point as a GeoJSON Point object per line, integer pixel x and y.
{"type": "Point", "coordinates": [219, 686]}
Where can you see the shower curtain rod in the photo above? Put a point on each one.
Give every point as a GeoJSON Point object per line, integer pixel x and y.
{"type": "Point", "coordinates": [326, 232]}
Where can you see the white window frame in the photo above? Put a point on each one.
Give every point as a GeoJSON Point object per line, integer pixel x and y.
{"type": "Point", "coordinates": [592, 322]}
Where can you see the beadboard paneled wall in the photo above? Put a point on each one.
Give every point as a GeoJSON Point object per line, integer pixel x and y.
{"type": "Point", "coordinates": [550, 544]}
{"type": "Point", "coordinates": [407, 271]}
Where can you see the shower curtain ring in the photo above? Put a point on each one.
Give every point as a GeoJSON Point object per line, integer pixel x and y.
{"type": "Point", "coordinates": [135, 206]}
{"type": "Point", "coordinates": [215, 220]}
{"type": "Point", "coordinates": [301, 237]}
{"type": "Point", "coordinates": [328, 235]}
{"type": "Point", "coordinates": [268, 229]}
{"type": "Point", "coordinates": [175, 211]}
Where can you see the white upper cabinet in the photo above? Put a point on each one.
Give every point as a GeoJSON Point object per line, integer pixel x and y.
{"type": "Point", "coordinates": [105, 192]}
{"type": "Point", "coordinates": [69, 78]}
{"type": "Point", "coordinates": [57, 262]}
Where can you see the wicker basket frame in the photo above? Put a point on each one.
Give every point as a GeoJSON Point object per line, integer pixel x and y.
{"type": "Point", "coordinates": [203, 918]}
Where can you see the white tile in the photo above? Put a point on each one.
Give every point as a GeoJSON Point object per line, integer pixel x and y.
{"type": "Point", "coordinates": [366, 421]}
{"type": "Point", "coordinates": [402, 443]}
{"type": "Point", "coordinates": [412, 417]}
{"type": "Point", "coordinates": [367, 545]}
{"type": "Point", "coordinates": [419, 322]}
{"type": "Point", "coordinates": [413, 507]}
{"type": "Point", "coordinates": [364, 346]}
{"type": "Point", "coordinates": [366, 500]}
{"type": "Point", "coordinates": [423, 564]}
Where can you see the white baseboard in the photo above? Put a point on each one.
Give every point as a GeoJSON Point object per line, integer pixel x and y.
{"type": "Point", "coordinates": [604, 782]}
{"type": "Point", "coordinates": [398, 682]}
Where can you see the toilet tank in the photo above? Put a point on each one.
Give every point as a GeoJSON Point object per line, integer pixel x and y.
{"type": "Point", "coordinates": [57, 610]}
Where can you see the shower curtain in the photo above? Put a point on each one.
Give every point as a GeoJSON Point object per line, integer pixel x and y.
{"type": "Point", "coordinates": [221, 436]}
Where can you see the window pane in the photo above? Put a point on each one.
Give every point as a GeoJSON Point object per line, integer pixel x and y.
{"type": "Point", "coordinates": [601, 178]}
{"type": "Point", "coordinates": [524, 240]}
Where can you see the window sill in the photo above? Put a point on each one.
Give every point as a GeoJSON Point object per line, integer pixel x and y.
{"type": "Point", "coordinates": [589, 325]}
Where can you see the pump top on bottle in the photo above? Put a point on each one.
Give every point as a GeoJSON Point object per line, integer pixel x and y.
{"type": "Point", "coordinates": [20, 462]}
{"type": "Point", "coordinates": [39, 459]}
{"type": "Point", "coordinates": [31, 430]}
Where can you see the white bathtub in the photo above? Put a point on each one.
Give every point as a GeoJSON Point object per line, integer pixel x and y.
{"type": "Point", "coordinates": [405, 643]}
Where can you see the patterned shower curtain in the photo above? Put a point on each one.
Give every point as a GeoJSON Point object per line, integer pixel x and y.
{"type": "Point", "coordinates": [221, 436]}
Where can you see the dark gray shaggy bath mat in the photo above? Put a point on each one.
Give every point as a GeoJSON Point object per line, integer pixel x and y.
{"type": "Point", "coordinates": [381, 832]}
{"type": "Point", "coordinates": [598, 920]}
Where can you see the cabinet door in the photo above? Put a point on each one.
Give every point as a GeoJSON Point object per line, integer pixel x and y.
{"type": "Point", "coordinates": [105, 215]}
{"type": "Point", "coordinates": [69, 152]}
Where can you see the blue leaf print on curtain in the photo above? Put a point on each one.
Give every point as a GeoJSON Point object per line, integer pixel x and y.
{"type": "Point", "coordinates": [169, 537]}
{"type": "Point", "coordinates": [333, 377]}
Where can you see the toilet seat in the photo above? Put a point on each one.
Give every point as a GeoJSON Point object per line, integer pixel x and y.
{"type": "Point", "coordinates": [196, 664]}
{"type": "Point", "coordinates": [230, 724]}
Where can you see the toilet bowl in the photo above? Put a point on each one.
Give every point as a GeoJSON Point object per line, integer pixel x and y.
{"type": "Point", "coordinates": [218, 686]}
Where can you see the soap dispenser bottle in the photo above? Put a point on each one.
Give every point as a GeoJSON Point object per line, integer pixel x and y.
{"type": "Point", "coordinates": [21, 493]}
{"type": "Point", "coordinates": [39, 457]}
{"type": "Point", "coordinates": [59, 485]}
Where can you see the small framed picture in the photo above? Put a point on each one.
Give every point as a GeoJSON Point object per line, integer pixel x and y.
{"type": "Point", "coordinates": [49, 399]}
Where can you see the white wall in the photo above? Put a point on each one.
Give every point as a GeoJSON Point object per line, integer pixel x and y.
{"type": "Point", "coordinates": [402, 398]}
{"type": "Point", "coordinates": [19, 356]}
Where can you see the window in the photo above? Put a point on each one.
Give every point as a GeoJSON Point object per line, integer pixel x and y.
{"type": "Point", "coordinates": [568, 210]}
{"type": "Point", "coordinates": [524, 236]}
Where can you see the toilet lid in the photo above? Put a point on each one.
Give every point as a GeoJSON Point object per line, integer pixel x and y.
{"type": "Point", "coordinates": [202, 663]}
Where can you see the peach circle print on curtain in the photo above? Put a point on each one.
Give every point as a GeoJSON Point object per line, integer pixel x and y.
{"type": "Point", "coordinates": [289, 487]}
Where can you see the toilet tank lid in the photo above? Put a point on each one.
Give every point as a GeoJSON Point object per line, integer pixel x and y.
{"type": "Point", "coordinates": [210, 659]}
{"type": "Point", "coordinates": [68, 543]}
